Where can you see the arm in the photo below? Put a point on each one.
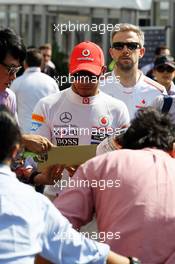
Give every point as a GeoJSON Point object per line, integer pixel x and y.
{"type": "Point", "coordinates": [39, 139]}
{"type": "Point", "coordinates": [112, 258]}
{"type": "Point", "coordinates": [62, 244]}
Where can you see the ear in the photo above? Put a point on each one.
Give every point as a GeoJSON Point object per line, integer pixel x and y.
{"type": "Point", "coordinates": [172, 153]}
{"type": "Point", "coordinates": [103, 70]}
{"type": "Point", "coordinates": [142, 52]}
{"type": "Point", "coordinates": [111, 51]}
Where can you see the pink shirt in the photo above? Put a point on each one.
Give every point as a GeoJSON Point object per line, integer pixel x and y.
{"type": "Point", "coordinates": [139, 202]}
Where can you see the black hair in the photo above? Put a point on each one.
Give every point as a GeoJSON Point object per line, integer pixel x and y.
{"type": "Point", "coordinates": [150, 128]}
{"type": "Point", "coordinates": [11, 43]}
{"type": "Point", "coordinates": [33, 58]}
{"type": "Point", "coordinates": [9, 133]}
{"type": "Point", "coordinates": [159, 49]}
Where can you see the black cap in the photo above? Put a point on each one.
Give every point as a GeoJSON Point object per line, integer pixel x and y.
{"type": "Point", "coordinates": [165, 60]}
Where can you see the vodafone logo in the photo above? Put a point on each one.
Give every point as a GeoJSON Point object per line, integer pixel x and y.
{"type": "Point", "coordinates": [104, 121]}
{"type": "Point", "coordinates": [86, 52]}
{"type": "Point", "coordinates": [86, 100]}
{"type": "Point", "coordinates": [141, 104]}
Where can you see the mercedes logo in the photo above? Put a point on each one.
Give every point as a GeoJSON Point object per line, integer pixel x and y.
{"type": "Point", "coordinates": [65, 117]}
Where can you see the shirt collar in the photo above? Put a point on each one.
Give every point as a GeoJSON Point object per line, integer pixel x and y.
{"type": "Point", "coordinates": [75, 98]}
{"type": "Point", "coordinates": [5, 170]}
{"type": "Point", "coordinates": [128, 89]}
{"type": "Point", "coordinates": [33, 69]}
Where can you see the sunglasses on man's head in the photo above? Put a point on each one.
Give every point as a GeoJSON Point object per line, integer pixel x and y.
{"type": "Point", "coordinates": [129, 45]}
{"type": "Point", "coordinates": [163, 68]}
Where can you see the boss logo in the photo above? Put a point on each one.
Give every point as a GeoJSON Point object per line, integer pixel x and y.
{"type": "Point", "coordinates": [67, 141]}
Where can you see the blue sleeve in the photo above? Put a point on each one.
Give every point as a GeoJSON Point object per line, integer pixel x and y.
{"type": "Point", "coordinates": [62, 244]}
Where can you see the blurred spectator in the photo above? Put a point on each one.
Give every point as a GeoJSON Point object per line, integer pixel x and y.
{"type": "Point", "coordinates": [47, 66]}
{"type": "Point", "coordinates": [31, 87]}
{"type": "Point", "coordinates": [164, 72]}
{"type": "Point", "coordinates": [159, 51]}
{"type": "Point", "coordinates": [11, 56]}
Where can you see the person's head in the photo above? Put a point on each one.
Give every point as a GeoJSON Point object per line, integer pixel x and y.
{"type": "Point", "coordinates": [162, 51]}
{"type": "Point", "coordinates": [46, 51]}
{"type": "Point", "coordinates": [151, 129]}
{"type": "Point", "coordinates": [10, 136]}
{"type": "Point", "coordinates": [33, 58]}
{"type": "Point", "coordinates": [127, 42]}
{"type": "Point", "coordinates": [12, 54]}
{"type": "Point", "coordinates": [164, 70]}
{"type": "Point", "coordinates": [86, 65]}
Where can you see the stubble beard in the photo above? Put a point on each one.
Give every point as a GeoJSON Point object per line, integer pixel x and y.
{"type": "Point", "coordinates": [125, 67]}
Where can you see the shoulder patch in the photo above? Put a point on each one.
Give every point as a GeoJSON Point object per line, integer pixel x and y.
{"type": "Point", "coordinates": [38, 118]}
{"type": "Point", "coordinates": [155, 84]}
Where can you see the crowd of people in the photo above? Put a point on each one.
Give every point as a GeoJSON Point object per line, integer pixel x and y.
{"type": "Point", "coordinates": [126, 192]}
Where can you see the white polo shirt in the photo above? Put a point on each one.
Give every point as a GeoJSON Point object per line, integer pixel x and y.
{"type": "Point", "coordinates": [29, 88]}
{"type": "Point", "coordinates": [140, 95]}
{"type": "Point", "coordinates": [66, 118]}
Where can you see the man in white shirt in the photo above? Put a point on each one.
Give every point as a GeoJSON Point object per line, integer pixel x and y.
{"type": "Point", "coordinates": [80, 114]}
{"type": "Point", "coordinates": [127, 82]}
{"type": "Point", "coordinates": [31, 87]}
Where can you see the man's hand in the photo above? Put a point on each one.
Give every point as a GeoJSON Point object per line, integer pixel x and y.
{"type": "Point", "coordinates": [36, 143]}
{"type": "Point", "coordinates": [114, 258]}
{"type": "Point", "coordinates": [50, 175]}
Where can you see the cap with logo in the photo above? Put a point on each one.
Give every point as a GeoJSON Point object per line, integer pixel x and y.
{"type": "Point", "coordinates": [164, 60]}
{"type": "Point", "coordinates": [86, 56]}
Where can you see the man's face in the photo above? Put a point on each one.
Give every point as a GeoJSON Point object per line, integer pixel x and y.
{"type": "Point", "coordinates": [126, 58]}
{"type": "Point", "coordinates": [8, 69]}
{"type": "Point", "coordinates": [85, 84]}
{"type": "Point", "coordinates": [46, 53]}
{"type": "Point", "coordinates": [164, 52]}
{"type": "Point", "coordinates": [164, 74]}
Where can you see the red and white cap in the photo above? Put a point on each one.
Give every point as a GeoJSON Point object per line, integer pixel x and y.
{"type": "Point", "coordinates": [86, 56]}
